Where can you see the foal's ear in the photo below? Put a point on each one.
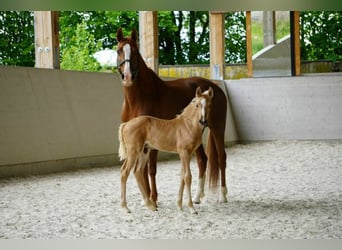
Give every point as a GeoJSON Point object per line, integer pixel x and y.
{"type": "Point", "coordinates": [119, 35]}
{"type": "Point", "coordinates": [134, 35]}
{"type": "Point", "coordinates": [198, 91]}
{"type": "Point", "coordinates": [210, 92]}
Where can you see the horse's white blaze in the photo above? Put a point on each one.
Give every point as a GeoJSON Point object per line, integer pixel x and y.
{"type": "Point", "coordinates": [203, 102]}
{"type": "Point", "coordinates": [127, 70]}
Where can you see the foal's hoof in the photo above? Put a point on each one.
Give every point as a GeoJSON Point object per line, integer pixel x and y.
{"type": "Point", "coordinates": [193, 211]}
{"type": "Point", "coordinates": [153, 208]}
{"type": "Point", "coordinates": [197, 201]}
{"type": "Point", "coordinates": [151, 205]}
{"type": "Point", "coordinates": [126, 209]}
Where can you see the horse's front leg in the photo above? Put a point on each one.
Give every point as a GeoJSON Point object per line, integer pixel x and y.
{"type": "Point", "coordinates": [202, 164]}
{"type": "Point", "coordinates": [152, 170]}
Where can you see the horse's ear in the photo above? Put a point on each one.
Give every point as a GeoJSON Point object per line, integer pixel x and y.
{"type": "Point", "coordinates": [210, 92]}
{"type": "Point", "coordinates": [198, 91]}
{"type": "Point", "coordinates": [134, 35]}
{"type": "Point", "coordinates": [119, 35]}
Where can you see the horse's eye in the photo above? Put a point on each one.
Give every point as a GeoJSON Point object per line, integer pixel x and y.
{"type": "Point", "coordinates": [118, 52]}
{"type": "Point", "coordinates": [196, 105]}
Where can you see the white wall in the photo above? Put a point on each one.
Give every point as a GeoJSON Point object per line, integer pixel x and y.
{"type": "Point", "coordinates": [300, 108]}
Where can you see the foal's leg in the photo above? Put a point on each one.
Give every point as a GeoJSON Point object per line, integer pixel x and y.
{"type": "Point", "coordinates": [125, 170]}
{"type": "Point", "coordinates": [187, 178]}
{"type": "Point", "coordinates": [152, 170]}
{"type": "Point", "coordinates": [202, 165]}
{"type": "Point", "coordinates": [180, 192]}
{"type": "Point", "coordinates": [139, 176]}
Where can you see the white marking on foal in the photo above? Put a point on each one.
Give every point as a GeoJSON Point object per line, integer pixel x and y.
{"type": "Point", "coordinates": [203, 102]}
{"type": "Point", "coordinates": [127, 53]}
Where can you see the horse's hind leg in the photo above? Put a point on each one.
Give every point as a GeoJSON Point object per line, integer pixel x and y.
{"type": "Point", "coordinates": [202, 164]}
{"type": "Point", "coordinates": [218, 137]}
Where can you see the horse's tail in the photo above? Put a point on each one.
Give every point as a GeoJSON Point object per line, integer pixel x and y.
{"type": "Point", "coordinates": [122, 147]}
{"type": "Point", "coordinates": [213, 165]}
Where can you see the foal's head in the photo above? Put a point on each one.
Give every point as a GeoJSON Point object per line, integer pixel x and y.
{"type": "Point", "coordinates": [127, 56]}
{"type": "Point", "coordinates": [199, 108]}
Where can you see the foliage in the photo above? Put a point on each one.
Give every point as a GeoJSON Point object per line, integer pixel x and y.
{"type": "Point", "coordinates": [16, 38]}
{"type": "Point", "coordinates": [77, 54]}
{"type": "Point", "coordinates": [95, 30]}
{"type": "Point", "coordinates": [183, 36]}
{"type": "Point", "coordinates": [321, 35]}
{"type": "Point", "coordinates": [235, 42]}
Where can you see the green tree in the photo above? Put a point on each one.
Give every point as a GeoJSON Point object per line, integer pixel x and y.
{"type": "Point", "coordinates": [16, 38]}
{"type": "Point", "coordinates": [84, 33]}
{"type": "Point", "coordinates": [184, 37]}
{"type": "Point", "coordinates": [321, 35]}
{"type": "Point", "coordinates": [77, 55]}
{"type": "Point", "coordinates": [235, 37]}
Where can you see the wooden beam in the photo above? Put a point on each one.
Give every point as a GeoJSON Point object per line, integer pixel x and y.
{"type": "Point", "coordinates": [217, 45]}
{"type": "Point", "coordinates": [46, 39]}
{"type": "Point", "coordinates": [249, 44]}
{"type": "Point", "coordinates": [295, 42]}
{"type": "Point", "coordinates": [148, 38]}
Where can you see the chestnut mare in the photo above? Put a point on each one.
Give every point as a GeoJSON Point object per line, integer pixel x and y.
{"type": "Point", "coordinates": [146, 94]}
{"type": "Point", "coordinates": [181, 135]}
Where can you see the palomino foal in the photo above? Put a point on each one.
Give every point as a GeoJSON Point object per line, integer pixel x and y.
{"type": "Point", "coordinates": [182, 135]}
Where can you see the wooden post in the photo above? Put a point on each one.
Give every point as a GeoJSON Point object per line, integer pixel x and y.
{"type": "Point", "coordinates": [249, 44]}
{"type": "Point", "coordinates": [217, 48]}
{"type": "Point", "coordinates": [269, 32]}
{"type": "Point", "coordinates": [46, 39]}
{"type": "Point", "coordinates": [295, 42]}
{"type": "Point", "coordinates": [148, 38]}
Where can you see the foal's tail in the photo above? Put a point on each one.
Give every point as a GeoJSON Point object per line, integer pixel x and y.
{"type": "Point", "coordinates": [122, 147]}
{"type": "Point", "coordinates": [213, 165]}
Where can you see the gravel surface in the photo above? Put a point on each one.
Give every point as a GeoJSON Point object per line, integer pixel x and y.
{"type": "Point", "coordinates": [280, 189]}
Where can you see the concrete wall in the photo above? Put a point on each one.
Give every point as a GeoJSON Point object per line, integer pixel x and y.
{"type": "Point", "coordinates": [55, 120]}
{"type": "Point", "coordinates": [274, 60]}
{"type": "Point", "coordinates": [307, 107]}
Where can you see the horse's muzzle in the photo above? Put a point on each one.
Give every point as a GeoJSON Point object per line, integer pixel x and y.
{"type": "Point", "coordinates": [203, 123]}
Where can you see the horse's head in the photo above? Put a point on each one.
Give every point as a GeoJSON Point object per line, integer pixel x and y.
{"type": "Point", "coordinates": [127, 57]}
{"type": "Point", "coordinates": [202, 103]}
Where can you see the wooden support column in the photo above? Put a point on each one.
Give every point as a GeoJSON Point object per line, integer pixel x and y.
{"type": "Point", "coordinates": [217, 45]}
{"type": "Point", "coordinates": [269, 28]}
{"type": "Point", "coordinates": [249, 44]}
{"type": "Point", "coordinates": [295, 42]}
{"type": "Point", "coordinates": [46, 39]}
{"type": "Point", "coordinates": [148, 38]}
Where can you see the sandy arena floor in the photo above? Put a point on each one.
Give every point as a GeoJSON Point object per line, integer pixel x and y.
{"type": "Point", "coordinates": [276, 190]}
